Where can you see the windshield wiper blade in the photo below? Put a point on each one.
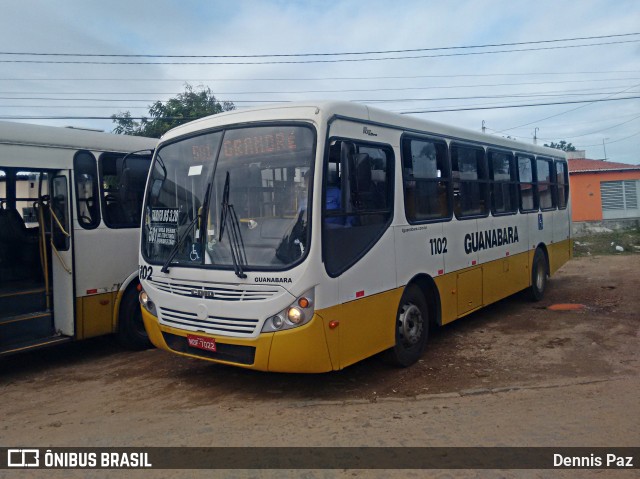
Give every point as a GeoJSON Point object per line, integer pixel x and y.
{"type": "Point", "coordinates": [201, 213]}
{"type": "Point", "coordinates": [236, 244]}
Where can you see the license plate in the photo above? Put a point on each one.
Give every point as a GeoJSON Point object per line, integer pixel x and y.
{"type": "Point", "coordinates": [200, 342]}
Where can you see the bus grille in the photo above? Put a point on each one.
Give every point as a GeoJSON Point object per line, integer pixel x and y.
{"type": "Point", "coordinates": [211, 325]}
{"type": "Point", "coordinates": [225, 292]}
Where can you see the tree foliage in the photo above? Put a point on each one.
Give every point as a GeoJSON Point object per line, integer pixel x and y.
{"type": "Point", "coordinates": [561, 145]}
{"type": "Point", "coordinates": [187, 106]}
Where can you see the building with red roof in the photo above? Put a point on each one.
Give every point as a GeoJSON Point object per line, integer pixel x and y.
{"type": "Point", "coordinates": [604, 190]}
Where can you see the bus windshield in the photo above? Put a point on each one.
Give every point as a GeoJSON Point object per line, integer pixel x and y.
{"type": "Point", "coordinates": [234, 199]}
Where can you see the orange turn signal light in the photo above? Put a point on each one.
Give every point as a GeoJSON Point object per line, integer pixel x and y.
{"type": "Point", "coordinates": [303, 302]}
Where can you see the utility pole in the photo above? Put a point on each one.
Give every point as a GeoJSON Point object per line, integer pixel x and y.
{"type": "Point", "coordinates": [535, 136]}
{"type": "Point", "coordinates": [604, 148]}
{"type": "Point", "coordinates": [484, 128]}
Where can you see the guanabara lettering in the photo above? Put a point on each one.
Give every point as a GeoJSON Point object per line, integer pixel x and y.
{"type": "Point", "coordinates": [480, 240]}
{"type": "Point", "coordinates": [273, 280]}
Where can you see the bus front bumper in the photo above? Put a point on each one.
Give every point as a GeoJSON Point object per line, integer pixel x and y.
{"type": "Point", "coordinates": [298, 350]}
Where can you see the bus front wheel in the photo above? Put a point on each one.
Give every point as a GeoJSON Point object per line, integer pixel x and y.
{"type": "Point", "coordinates": [539, 275]}
{"type": "Point", "coordinates": [411, 328]}
{"type": "Point", "coordinates": [131, 331]}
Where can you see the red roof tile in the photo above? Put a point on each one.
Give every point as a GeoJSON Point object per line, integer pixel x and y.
{"type": "Point", "coordinates": [581, 165]}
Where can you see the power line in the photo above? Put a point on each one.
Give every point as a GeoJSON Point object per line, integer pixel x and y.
{"type": "Point", "coordinates": [341, 90]}
{"type": "Point", "coordinates": [564, 137]}
{"type": "Point", "coordinates": [519, 106]}
{"type": "Point", "coordinates": [385, 100]}
{"type": "Point", "coordinates": [594, 132]}
{"type": "Point", "coordinates": [297, 55]}
{"type": "Point", "coordinates": [610, 142]}
{"type": "Point", "coordinates": [341, 60]}
{"type": "Point", "coordinates": [410, 77]}
{"type": "Point", "coordinates": [29, 117]}
{"type": "Point", "coordinates": [565, 112]}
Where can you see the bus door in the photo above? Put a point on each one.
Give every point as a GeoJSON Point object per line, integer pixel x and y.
{"type": "Point", "coordinates": [62, 254]}
{"type": "Point", "coordinates": [358, 243]}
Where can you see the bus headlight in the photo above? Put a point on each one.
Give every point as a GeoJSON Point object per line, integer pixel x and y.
{"type": "Point", "coordinates": [297, 314]}
{"type": "Point", "coordinates": [146, 303]}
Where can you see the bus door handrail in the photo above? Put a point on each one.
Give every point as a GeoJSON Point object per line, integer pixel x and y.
{"type": "Point", "coordinates": [53, 247]}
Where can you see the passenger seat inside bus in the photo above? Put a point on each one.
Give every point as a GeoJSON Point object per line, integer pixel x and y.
{"type": "Point", "coordinates": [18, 247]}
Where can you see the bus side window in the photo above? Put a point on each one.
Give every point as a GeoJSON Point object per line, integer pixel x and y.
{"type": "Point", "coordinates": [427, 180]}
{"type": "Point", "coordinates": [546, 184]}
{"type": "Point", "coordinates": [563, 184]}
{"type": "Point", "coordinates": [470, 181]}
{"type": "Point", "coordinates": [528, 193]}
{"type": "Point", "coordinates": [123, 182]}
{"type": "Point", "coordinates": [86, 179]}
{"type": "Point", "coordinates": [504, 183]}
{"type": "Point", "coordinates": [358, 201]}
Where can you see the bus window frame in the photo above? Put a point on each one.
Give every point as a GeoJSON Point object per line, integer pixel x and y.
{"type": "Point", "coordinates": [96, 190]}
{"type": "Point", "coordinates": [565, 183]}
{"type": "Point", "coordinates": [449, 180]}
{"type": "Point", "coordinates": [224, 128]}
{"type": "Point", "coordinates": [534, 182]}
{"type": "Point", "coordinates": [553, 183]}
{"type": "Point", "coordinates": [486, 181]}
{"type": "Point", "coordinates": [103, 201]}
{"type": "Point", "coordinates": [392, 193]}
{"type": "Point", "coordinates": [513, 182]}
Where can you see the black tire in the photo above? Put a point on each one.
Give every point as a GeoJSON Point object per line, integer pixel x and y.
{"type": "Point", "coordinates": [411, 328]}
{"type": "Point", "coordinates": [131, 332]}
{"type": "Point", "coordinates": [539, 275]}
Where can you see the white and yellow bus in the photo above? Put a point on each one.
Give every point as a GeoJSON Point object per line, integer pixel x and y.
{"type": "Point", "coordinates": [70, 204]}
{"type": "Point", "coordinates": [307, 237]}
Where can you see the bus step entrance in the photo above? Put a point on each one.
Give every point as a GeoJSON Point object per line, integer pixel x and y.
{"type": "Point", "coordinates": [31, 344]}
{"type": "Point", "coordinates": [25, 327]}
{"type": "Point", "coordinates": [26, 298]}
{"type": "Point", "coordinates": [24, 317]}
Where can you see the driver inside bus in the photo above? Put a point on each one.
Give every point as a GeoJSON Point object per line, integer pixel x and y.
{"type": "Point", "coordinates": [294, 243]}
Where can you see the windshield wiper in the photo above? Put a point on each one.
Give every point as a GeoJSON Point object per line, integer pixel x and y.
{"type": "Point", "coordinates": [236, 244]}
{"type": "Point", "coordinates": [201, 214]}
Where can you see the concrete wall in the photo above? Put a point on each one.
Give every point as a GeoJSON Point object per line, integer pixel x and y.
{"type": "Point", "coordinates": [582, 228]}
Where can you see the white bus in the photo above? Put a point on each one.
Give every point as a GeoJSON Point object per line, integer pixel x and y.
{"type": "Point", "coordinates": [70, 207]}
{"type": "Point", "coordinates": [306, 237]}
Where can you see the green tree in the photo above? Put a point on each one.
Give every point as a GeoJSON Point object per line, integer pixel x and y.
{"type": "Point", "coordinates": [187, 106]}
{"type": "Point", "coordinates": [562, 145]}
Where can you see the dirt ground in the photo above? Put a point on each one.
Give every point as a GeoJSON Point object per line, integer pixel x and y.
{"type": "Point", "coordinates": [510, 358]}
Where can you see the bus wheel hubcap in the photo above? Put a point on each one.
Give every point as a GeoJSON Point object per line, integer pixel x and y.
{"type": "Point", "coordinates": [410, 324]}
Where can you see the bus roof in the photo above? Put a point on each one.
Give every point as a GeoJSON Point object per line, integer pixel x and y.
{"type": "Point", "coordinates": [12, 133]}
{"type": "Point", "coordinates": [326, 110]}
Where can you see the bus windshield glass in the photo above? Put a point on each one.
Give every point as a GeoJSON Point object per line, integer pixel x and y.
{"type": "Point", "coordinates": [231, 199]}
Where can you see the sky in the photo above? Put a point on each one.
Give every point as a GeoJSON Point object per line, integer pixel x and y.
{"type": "Point", "coordinates": [478, 86]}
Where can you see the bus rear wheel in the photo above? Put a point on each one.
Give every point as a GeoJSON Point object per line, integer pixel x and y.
{"type": "Point", "coordinates": [411, 328]}
{"type": "Point", "coordinates": [539, 275]}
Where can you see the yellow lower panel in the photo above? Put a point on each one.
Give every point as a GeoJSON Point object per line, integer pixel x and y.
{"type": "Point", "coordinates": [559, 254]}
{"type": "Point", "coordinates": [298, 350]}
{"type": "Point", "coordinates": [494, 281]}
{"type": "Point", "coordinates": [469, 286]}
{"type": "Point", "coordinates": [95, 315]}
{"type": "Point", "coordinates": [504, 277]}
{"type": "Point", "coordinates": [366, 326]}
